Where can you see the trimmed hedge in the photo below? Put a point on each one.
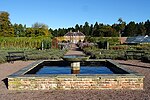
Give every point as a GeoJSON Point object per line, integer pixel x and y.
{"type": "Point", "coordinates": [25, 42]}
{"type": "Point", "coordinates": [45, 54]}
{"type": "Point", "coordinates": [33, 54]}
{"type": "Point", "coordinates": [104, 54]}
{"type": "Point", "coordinates": [96, 53]}
{"type": "Point", "coordinates": [111, 40]}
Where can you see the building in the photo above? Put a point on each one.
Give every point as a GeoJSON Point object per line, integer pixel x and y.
{"type": "Point", "coordinates": [138, 40]}
{"type": "Point", "coordinates": [74, 37]}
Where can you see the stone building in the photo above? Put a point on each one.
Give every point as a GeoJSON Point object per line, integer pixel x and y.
{"type": "Point", "coordinates": [74, 37]}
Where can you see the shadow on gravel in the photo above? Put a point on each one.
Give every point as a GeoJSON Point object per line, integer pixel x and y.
{"type": "Point", "coordinates": [6, 82]}
{"type": "Point", "coordinates": [135, 65]}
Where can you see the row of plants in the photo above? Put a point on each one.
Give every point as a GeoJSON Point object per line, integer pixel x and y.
{"type": "Point", "coordinates": [114, 44]}
{"type": "Point", "coordinates": [145, 47]}
{"type": "Point", "coordinates": [146, 57]}
{"type": "Point", "coordinates": [97, 53]}
{"type": "Point", "coordinates": [45, 54]}
{"type": "Point", "coordinates": [25, 42]}
{"type": "Point", "coordinates": [110, 40]}
{"type": "Point", "coordinates": [34, 54]}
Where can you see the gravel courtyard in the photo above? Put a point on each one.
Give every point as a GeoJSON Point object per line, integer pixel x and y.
{"type": "Point", "coordinates": [135, 65]}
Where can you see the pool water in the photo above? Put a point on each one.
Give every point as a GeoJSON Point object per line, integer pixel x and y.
{"type": "Point", "coordinates": [67, 70]}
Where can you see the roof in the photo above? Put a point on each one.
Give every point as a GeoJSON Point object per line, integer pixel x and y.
{"type": "Point", "coordinates": [138, 39]}
{"type": "Point", "coordinates": [74, 34]}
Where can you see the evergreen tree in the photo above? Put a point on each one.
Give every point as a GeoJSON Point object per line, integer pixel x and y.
{"type": "Point", "coordinates": [77, 27]}
{"type": "Point", "coordinates": [147, 26]}
{"type": "Point", "coordinates": [19, 30]}
{"type": "Point", "coordinates": [91, 30]}
{"type": "Point", "coordinates": [141, 29]}
{"type": "Point", "coordinates": [131, 29]}
{"type": "Point", "coordinates": [86, 29]}
{"type": "Point", "coordinates": [96, 29]}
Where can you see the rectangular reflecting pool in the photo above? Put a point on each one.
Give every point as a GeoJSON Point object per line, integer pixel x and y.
{"type": "Point", "coordinates": [67, 70]}
{"type": "Point", "coordinates": [57, 74]}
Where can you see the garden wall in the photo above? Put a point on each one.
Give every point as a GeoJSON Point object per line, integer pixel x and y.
{"type": "Point", "coordinates": [76, 82]}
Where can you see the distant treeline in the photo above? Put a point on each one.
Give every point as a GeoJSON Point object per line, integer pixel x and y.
{"type": "Point", "coordinates": [102, 30]}
{"type": "Point", "coordinates": [121, 28]}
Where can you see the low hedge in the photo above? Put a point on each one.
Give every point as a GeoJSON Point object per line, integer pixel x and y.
{"type": "Point", "coordinates": [104, 54]}
{"type": "Point", "coordinates": [96, 53]}
{"type": "Point", "coordinates": [45, 54]}
{"type": "Point", "coordinates": [111, 40]}
{"type": "Point", "coordinates": [33, 54]}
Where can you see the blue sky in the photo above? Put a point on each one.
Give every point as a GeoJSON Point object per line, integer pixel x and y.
{"type": "Point", "coordinates": [68, 13]}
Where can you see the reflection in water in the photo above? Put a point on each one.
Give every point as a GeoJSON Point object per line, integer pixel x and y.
{"type": "Point", "coordinates": [67, 70]}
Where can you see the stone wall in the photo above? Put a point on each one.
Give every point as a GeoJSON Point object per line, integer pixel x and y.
{"type": "Point", "coordinates": [75, 82]}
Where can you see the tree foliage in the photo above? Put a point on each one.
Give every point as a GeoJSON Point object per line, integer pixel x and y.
{"type": "Point", "coordinates": [7, 29]}
{"type": "Point", "coordinates": [19, 30]}
{"type": "Point", "coordinates": [102, 30]}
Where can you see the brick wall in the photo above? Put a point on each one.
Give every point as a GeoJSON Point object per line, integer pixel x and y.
{"type": "Point", "coordinates": [67, 83]}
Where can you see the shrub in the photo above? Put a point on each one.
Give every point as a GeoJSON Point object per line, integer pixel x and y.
{"type": "Point", "coordinates": [33, 54]}
{"type": "Point", "coordinates": [119, 47]}
{"type": "Point", "coordinates": [111, 40]}
{"type": "Point", "coordinates": [45, 54]}
{"type": "Point", "coordinates": [24, 42]}
{"type": "Point", "coordinates": [104, 54]}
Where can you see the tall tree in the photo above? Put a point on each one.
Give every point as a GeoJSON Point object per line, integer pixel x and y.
{"type": "Point", "coordinates": [131, 29]}
{"type": "Point", "coordinates": [147, 26]}
{"type": "Point", "coordinates": [121, 26]}
{"type": "Point", "coordinates": [6, 28]}
{"type": "Point", "coordinates": [81, 28]}
{"type": "Point", "coordinates": [77, 27]}
{"type": "Point", "coordinates": [30, 32]}
{"type": "Point", "coordinates": [86, 29]}
{"type": "Point", "coordinates": [19, 30]}
{"type": "Point", "coordinates": [141, 30]}
{"type": "Point", "coordinates": [96, 29]}
{"type": "Point", "coordinates": [91, 30]}
{"type": "Point", "coordinates": [40, 29]}
{"type": "Point", "coordinates": [107, 31]}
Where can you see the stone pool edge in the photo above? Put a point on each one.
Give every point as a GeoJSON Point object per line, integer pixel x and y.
{"type": "Point", "coordinates": [19, 81]}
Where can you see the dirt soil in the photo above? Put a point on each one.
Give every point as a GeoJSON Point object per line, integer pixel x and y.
{"type": "Point", "coordinates": [135, 65]}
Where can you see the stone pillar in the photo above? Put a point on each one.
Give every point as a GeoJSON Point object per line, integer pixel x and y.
{"type": "Point", "coordinates": [75, 67]}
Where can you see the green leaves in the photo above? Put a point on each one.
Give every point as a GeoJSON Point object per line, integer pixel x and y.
{"type": "Point", "coordinates": [25, 42]}
{"type": "Point", "coordinates": [6, 28]}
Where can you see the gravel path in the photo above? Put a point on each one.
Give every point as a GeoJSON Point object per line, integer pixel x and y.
{"type": "Point", "coordinates": [143, 68]}
{"type": "Point", "coordinates": [74, 51]}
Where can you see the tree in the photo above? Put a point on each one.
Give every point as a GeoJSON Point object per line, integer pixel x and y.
{"type": "Point", "coordinates": [86, 29]}
{"type": "Point", "coordinates": [107, 31]}
{"type": "Point", "coordinates": [130, 29]}
{"type": "Point", "coordinates": [30, 32]}
{"type": "Point", "coordinates": [6, 28]}
{"type": "Point", "coordinates": [91, 30]}
{"type": "Point", "coordinates": [147, 26]}
{"type": "Point", "coordinates": [77, 27]}
{"type": "Point", "coordinates": [96, 29]}
{"type": "Point", "coordinates": [40, 29]}
{"type": "Point", "coordinates": [120, 27]}
{"type": "Point", "coordinates": [19, 30]}
{"type": "Point", "coordinates": [54, 33]}
{"type": "Point", "coordinates": [141, 29]}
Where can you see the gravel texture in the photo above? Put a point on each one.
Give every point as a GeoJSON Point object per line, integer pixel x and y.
{"type": "Point", "coordinates": [135, 65]}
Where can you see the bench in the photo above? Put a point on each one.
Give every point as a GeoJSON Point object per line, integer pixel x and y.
{"type": "Point", "coordinates": [134, 54]}
{"type": "Point", "coordinates": [13, 56]}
